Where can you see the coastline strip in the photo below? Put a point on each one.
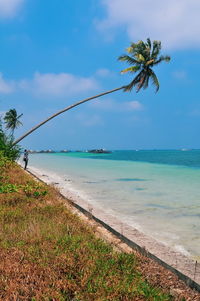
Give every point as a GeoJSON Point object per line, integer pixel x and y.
{"type": "Point", "coordinates": [185, 268]}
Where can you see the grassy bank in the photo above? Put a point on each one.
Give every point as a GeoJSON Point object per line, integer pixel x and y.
{"type": "Point", "coordinates": [48, 253]}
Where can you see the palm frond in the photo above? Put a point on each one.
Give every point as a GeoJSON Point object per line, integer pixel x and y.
{"type": "Point", "coordinates": [143, 57]}
{"type": "Point", "coordinates": [154, 80]}
{"type": "Point", "coordinates": [146, 82]}
{"type": "Point", "coordinates": [150, 62]}
{"type": "Point", "coordinates": [134, 82]}
{"type": "Point", "coordinates": [162, 58]}
{"type": "Point", "coordinates": [156, 49]}
{"type": "Point", "coordinates": [141, 82]}
{"type": "Point", "coordinates": [20, 116]}
{"type": "Point", "coordinates": [128, 59]}
{"type": "Point", "coordinates": [138, 48]}
{"type": "Point", "coordinates": [167, 58]}
{"type": "Point", "coordinates": [141, 45]}
{"type": "Point", "coordinates": [149, 43]}
{"type": "Point", "coordinates": [140, 57]}
{"type": "Point", "coordinates": [130, 49]}
{"type": "Point", "coordinates": [18, 123]}
{"type": "Point", "coordinates": [131, 69]}
{"type": "Point", "coordinates": [11, 120]}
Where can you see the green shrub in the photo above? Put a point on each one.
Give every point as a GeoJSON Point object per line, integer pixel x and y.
{"type": "Point", "coordinates": [34, 189]}
{"type": "Point", "coordinates": [8, 188]}
{"type": "Point", "coordinates": [6, 147]}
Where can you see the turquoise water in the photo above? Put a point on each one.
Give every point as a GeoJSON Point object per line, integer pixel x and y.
{"type": "Point", "coordinates": [157, 192]}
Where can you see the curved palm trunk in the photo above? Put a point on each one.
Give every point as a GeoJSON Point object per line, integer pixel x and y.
{"type": "Point", "coordinates": [12, 133]}
{"type": "Point", "coordinates": [64, 110]}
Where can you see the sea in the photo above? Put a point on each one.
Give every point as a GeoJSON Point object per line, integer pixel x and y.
{"type": "Point", "coordinates": [154, 191]}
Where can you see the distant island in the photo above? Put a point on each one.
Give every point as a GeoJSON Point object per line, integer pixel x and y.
{"type": "Point", "coordinates": [99, 151]}
{"type": "Point", "coordinates": [49, 151]}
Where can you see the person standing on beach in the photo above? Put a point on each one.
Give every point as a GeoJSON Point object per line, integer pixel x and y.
{"type": "Point", "coordinates": [25, 158]}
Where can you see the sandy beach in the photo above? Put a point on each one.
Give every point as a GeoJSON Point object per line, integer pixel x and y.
{"type": "Point", "coordinates": [186, 268]}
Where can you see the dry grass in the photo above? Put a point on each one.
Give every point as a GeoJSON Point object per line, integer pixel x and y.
{"type": "Point", "coordinates": [48, 253]}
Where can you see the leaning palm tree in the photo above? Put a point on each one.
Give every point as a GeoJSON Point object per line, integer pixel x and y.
{"type": "Point", "coordinates": [142, 57]}
{"type": "Point", "coordinates": [12, 120]}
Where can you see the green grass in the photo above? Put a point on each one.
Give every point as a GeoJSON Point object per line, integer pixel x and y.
{"type": "Point", "coordinates": [50, 254]}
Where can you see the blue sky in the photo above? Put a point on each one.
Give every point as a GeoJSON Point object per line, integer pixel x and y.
{"type": "Point", "coordinates": [54, 53]}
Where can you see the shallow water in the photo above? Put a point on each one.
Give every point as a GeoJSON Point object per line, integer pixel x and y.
{"type": "Point", "coordinates": [160, 199]}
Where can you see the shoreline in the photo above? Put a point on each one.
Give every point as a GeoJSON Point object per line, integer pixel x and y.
{"type": "Point", "coordinates": [186, 268]}
{"type": "Point", "coordinates": [160, 201]}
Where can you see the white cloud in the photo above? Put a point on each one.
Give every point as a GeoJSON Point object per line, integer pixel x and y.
{"type": "Point", "coordinates": [8, 8]}
{"type": "Point", "coordinates": [103, 72]}
{"type": "Point", "coordinates": [133, 105]}
{"type": "Point", "coordinates": [62, 84]}
{"type": "Point", "coordinates": [112, 105]}
{"type": "Point", "coordinates": [6, 87]}
{"type": "Point", "coordinates": [175, 23]}
{"type": "Point", "coordinates": [50, 84]}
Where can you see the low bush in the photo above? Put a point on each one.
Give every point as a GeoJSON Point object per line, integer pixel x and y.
{"type": "Point", "coordinates": [7, 148]}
